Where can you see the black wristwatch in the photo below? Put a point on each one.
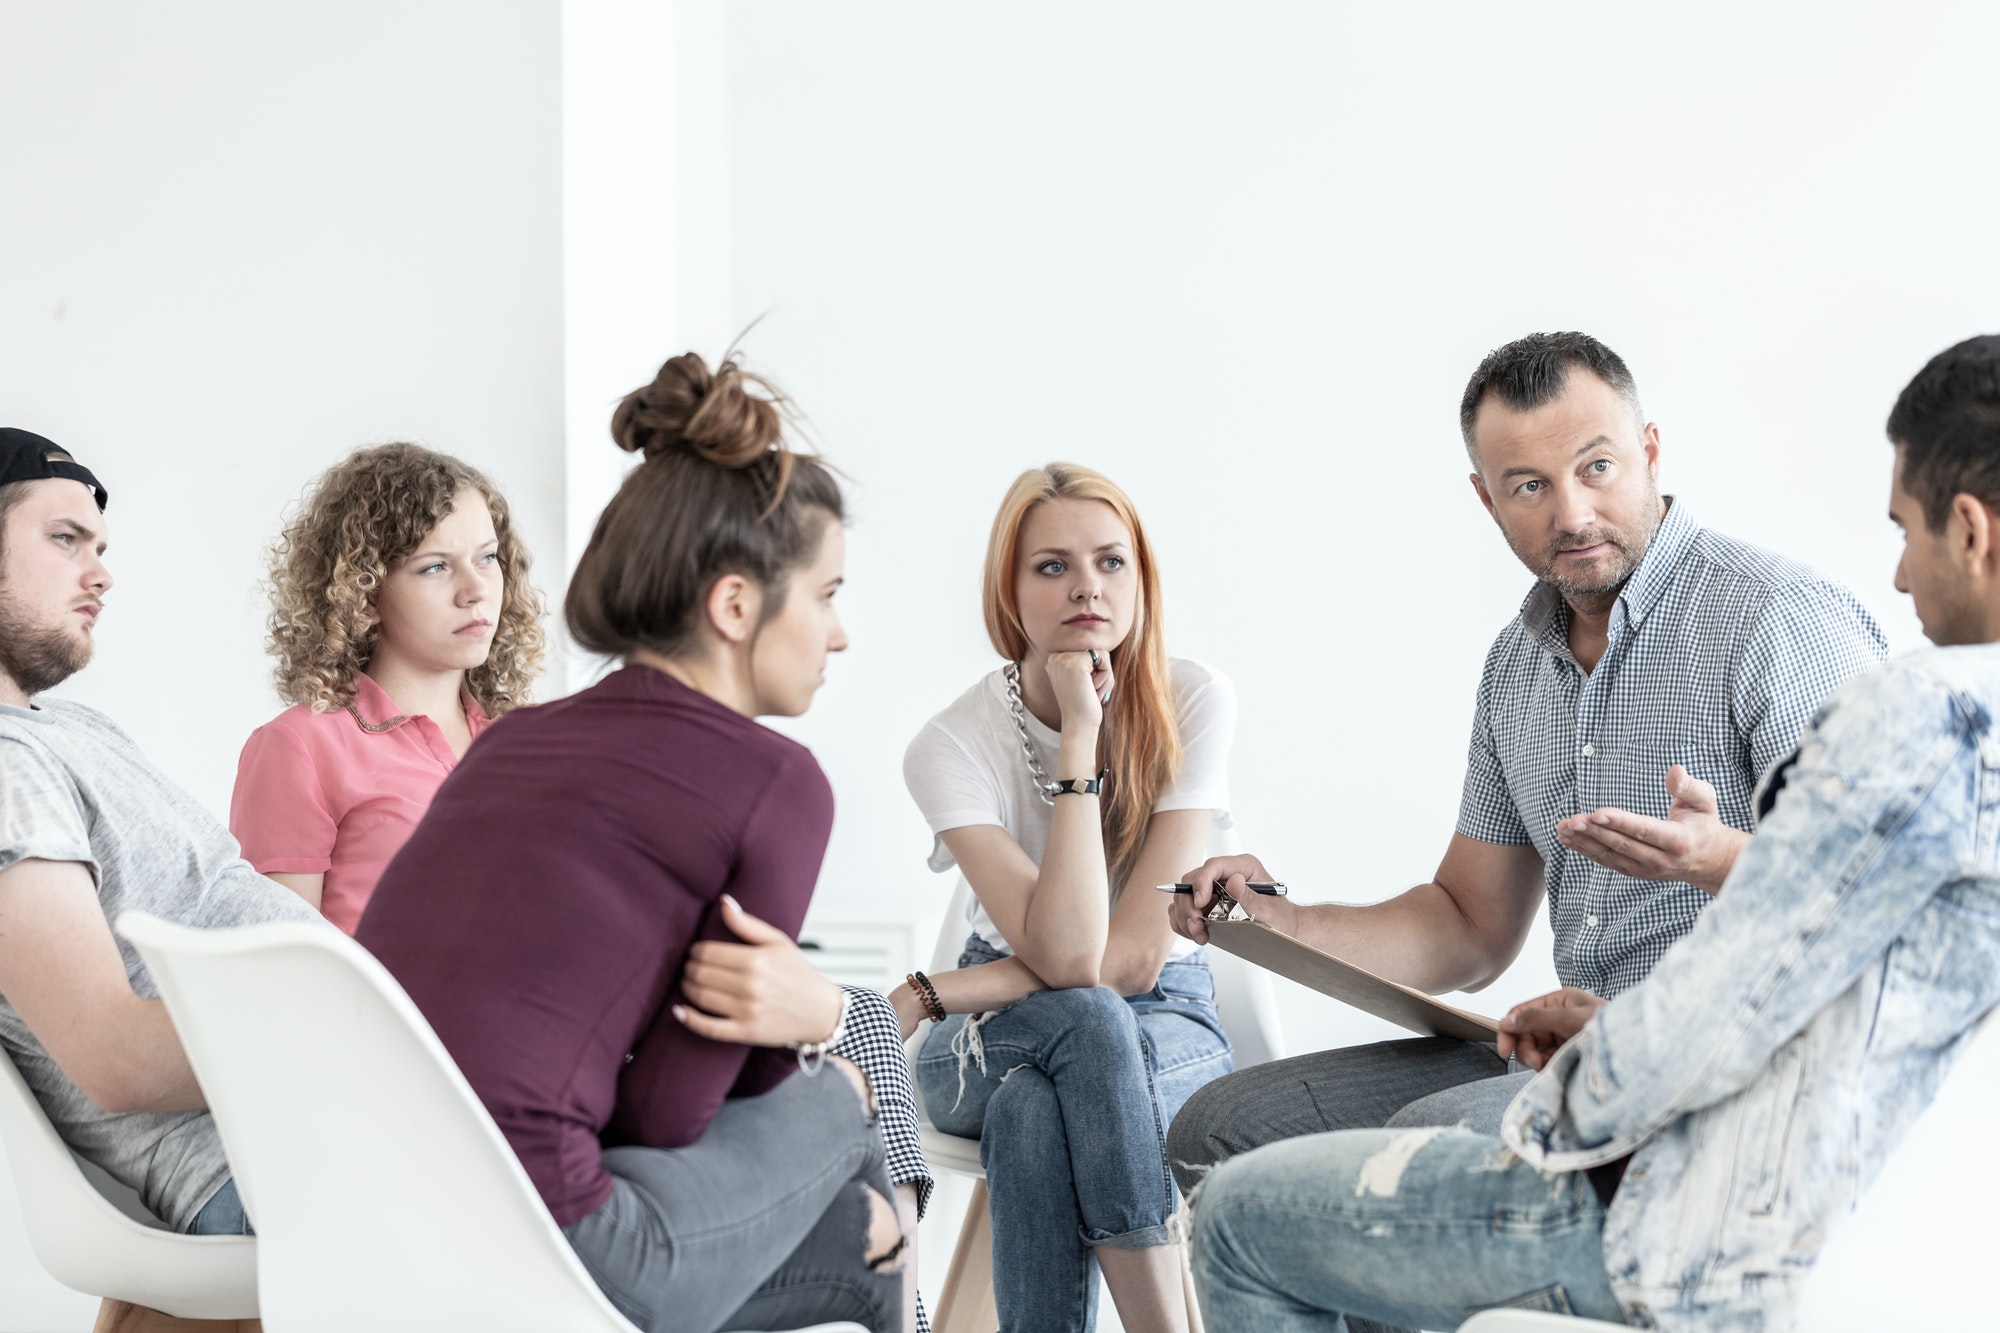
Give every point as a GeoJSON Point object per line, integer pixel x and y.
{"type": "Point", "coordinates": [1079, 786]}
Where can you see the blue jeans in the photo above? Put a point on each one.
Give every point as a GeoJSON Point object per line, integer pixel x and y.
{"type": "Point", "coordinates": [1069, 1093]}
{"type": "Point", "coordinates": [1421, 1228]}
{"type": "Point", "coordinates": [222, 1215]}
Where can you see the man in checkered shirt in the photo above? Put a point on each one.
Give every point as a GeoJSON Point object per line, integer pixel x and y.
{"type": "Point", "coordinates": [1655, 671]}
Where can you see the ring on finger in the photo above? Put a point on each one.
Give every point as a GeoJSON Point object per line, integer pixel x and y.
{"type": "Point", "coordinates": [1093, 659]}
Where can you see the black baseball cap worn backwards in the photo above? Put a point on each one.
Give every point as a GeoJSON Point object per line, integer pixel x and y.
{"type": "Point", "coordinates": [26, 456]}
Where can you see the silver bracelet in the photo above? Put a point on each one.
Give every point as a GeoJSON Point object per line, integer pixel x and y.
{"type": "Point", "coordinates": [812, 1054]}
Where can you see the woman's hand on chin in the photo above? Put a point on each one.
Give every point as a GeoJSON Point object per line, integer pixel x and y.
{"type": "Point", "coordinates": [1080, 688]}
{"type": "Point", "coordinates": [762, 992]}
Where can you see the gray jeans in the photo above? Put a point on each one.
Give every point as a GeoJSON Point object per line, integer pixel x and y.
{"type": "Point", "coordinates": [761, 1223]}
{"type": "Point", "coordinates": [1398, 1084]}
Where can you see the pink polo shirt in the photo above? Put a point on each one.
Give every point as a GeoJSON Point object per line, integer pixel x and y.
{"type": "Point", "coordinates": [319, 793]}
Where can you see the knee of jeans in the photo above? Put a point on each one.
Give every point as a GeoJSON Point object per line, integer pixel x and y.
{"type": "Point", "coordinates": [1086, 1008]}
{"type": "Point", "coordinates": [862, 1087]}
{"type": "Point", "coordinates": [886, 1241]}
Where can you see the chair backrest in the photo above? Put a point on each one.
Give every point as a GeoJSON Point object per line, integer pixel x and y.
{"type": "Point", "coordinates": [383, 1195]}
{"type": "Point", "coordinates": [1914, 1254]}
{"type": "Point", "coordinates": [94, 1236]}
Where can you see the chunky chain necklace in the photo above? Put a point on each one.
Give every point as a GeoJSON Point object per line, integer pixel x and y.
{"type": "Point", "coordinates": [1012, 671]}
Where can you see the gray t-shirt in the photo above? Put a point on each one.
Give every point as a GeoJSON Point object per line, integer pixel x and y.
{"type": "Point", "coordinates": [73, 787]}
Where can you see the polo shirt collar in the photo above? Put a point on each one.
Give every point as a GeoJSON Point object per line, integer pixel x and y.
{"type": "Point", "coordinates": [376, 712]}
{"type": "Point", "coordinates": [1545, 615]}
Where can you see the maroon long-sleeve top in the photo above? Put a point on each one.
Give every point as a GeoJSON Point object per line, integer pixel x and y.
{"type": "Point", "coordinates": [541, 913]}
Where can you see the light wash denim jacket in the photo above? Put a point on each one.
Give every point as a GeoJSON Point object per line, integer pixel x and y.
{"type": "Point", "coordinates": [1764, 1070]}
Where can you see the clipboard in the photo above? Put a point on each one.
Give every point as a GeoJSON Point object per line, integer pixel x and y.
{"type": "Point", "coordinates": [1356, 986]}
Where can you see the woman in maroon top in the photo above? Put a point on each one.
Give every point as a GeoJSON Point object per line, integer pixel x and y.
{"type": "Point", "coordinates": [597, 914]}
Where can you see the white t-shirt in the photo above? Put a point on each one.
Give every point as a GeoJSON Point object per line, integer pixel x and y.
{"type": "Point", "coordinates": [966, 767]}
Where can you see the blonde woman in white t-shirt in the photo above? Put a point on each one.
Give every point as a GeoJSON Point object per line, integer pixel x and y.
{"type": "Point", "coordinates": [1076, 1023]}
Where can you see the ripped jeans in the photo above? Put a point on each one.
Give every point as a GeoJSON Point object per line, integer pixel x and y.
{"type": "Point", "coordinates": [1418, 1228]}
{"type": "Point", "coordinates": [1069, 1093]}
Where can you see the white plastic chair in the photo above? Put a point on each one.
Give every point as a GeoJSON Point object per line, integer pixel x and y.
{"type": "Point", "coordinates": [383, 1194]}
{"type": "Point", "coordinates": [94, 1236]}
{"type": "Point", "coordinates": [1249, 1008]}
{"type": "Point", "coordinates": [1917, 1252]}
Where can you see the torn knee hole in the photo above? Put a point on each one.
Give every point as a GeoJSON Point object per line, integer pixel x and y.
{"type": "Point", "coordinates": [886, 1240]}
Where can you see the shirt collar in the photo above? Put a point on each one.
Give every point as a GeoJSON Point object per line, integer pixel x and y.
{"type": "Point", "coordinates": [1545, 616]}
{"type": "Point", "coordinates": [374, 711]}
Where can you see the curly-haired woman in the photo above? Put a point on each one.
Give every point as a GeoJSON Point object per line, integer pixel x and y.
{"type": "Point", "coordinates": [403, 623]}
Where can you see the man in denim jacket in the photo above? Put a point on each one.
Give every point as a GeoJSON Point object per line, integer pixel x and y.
{"type": "Point", "coordinates": [1752, 1085]}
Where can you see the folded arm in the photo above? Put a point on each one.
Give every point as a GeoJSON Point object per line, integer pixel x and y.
{"type": "Point", "coordinates": [61, 969]}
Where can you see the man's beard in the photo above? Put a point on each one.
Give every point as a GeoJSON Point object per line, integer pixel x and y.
{"type": "Point", "coordinates": [1628, 553]}
{"type": "Point", "coordinates": [38, 658]}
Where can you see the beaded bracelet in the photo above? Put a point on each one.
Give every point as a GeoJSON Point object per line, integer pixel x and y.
{"type": "Point", "coordinates": [812, 1054]}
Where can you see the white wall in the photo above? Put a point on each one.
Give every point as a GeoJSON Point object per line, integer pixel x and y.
{"type": "Point", "coordinates": [239, 240]}
{"type": "Point", "coordinates": [1244, 257]}
{"type": "Point", "coordinates": [1240, 257]}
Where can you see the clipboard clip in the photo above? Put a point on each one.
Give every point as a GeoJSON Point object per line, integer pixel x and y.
{"type": "Point", "coordinates": [1225, 908]}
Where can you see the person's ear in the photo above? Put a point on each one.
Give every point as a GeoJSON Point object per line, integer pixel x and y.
{"type": "Point", "coordinates": [1649, 440]}
{"type": "Point", "coordinates": [1970, 532]}
{"type": "Point", "coordinates": [734, 605]}
{"type": "Point", "coordinates": [1485, 497]}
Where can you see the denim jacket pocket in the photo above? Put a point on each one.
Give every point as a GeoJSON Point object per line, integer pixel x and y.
{"type": "Point", "coordinates": [1769, 1140]}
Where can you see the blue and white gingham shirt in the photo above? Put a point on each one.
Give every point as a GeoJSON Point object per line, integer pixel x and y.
{"type": "Point", "coordinates": [1719, 653]}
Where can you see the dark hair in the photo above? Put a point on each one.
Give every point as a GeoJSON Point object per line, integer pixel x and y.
{"type": "Point", "coordinates": [1532, 371]}
{"type": "Point", "coordinates": [1946, 422]}
{"type": "Point", "coordinates": [718, 493]}
{"type": "Point", "coordinates": [10, 495]}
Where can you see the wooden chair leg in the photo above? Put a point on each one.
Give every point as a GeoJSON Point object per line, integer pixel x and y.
{"type": "Point", "coordinates": [124, 1317]}
{"type": "Point", "coordinates": [967, 1303]}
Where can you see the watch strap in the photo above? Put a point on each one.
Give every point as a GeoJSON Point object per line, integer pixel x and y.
{"type": "Point", "coordinates": [1080, 786]}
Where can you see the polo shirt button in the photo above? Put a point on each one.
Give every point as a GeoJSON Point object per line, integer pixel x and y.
{"type": "Point", "coordinates": [1590, 920]}
{"type": "Point", "coordinates": [1589, 750]}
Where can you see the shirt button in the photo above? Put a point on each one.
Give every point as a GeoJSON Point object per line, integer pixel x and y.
{"type": "Point", "coordinates": [1589, 750]}
{"type": "Point", "coordinates": [1590, 920]}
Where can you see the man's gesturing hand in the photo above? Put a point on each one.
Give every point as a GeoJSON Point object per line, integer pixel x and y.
{"type": "Point", "coordinates": [1535, 1029]}
{"type": "Point", "coordinates": [1188, 913]}
{"type": "Point", "coordinates": [762, 992]}
{"type": "Point", "coordinates": [1691, 843]}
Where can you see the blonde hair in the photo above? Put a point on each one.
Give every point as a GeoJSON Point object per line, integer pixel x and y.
{"type": "Point", "coordinates": [1141, 740]}
{"type": "Point", "coordinates": [359, 519]}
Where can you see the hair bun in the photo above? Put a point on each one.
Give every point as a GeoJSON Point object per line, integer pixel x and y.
{"type": "Point", "coordinates": [727, 416]}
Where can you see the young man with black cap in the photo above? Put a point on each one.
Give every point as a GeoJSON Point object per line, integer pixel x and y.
{"type": "Point", "coordinates": [89, 829]}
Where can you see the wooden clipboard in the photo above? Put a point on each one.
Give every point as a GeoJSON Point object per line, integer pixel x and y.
{"type": "Point", "coordinates": [1406, 1008]}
